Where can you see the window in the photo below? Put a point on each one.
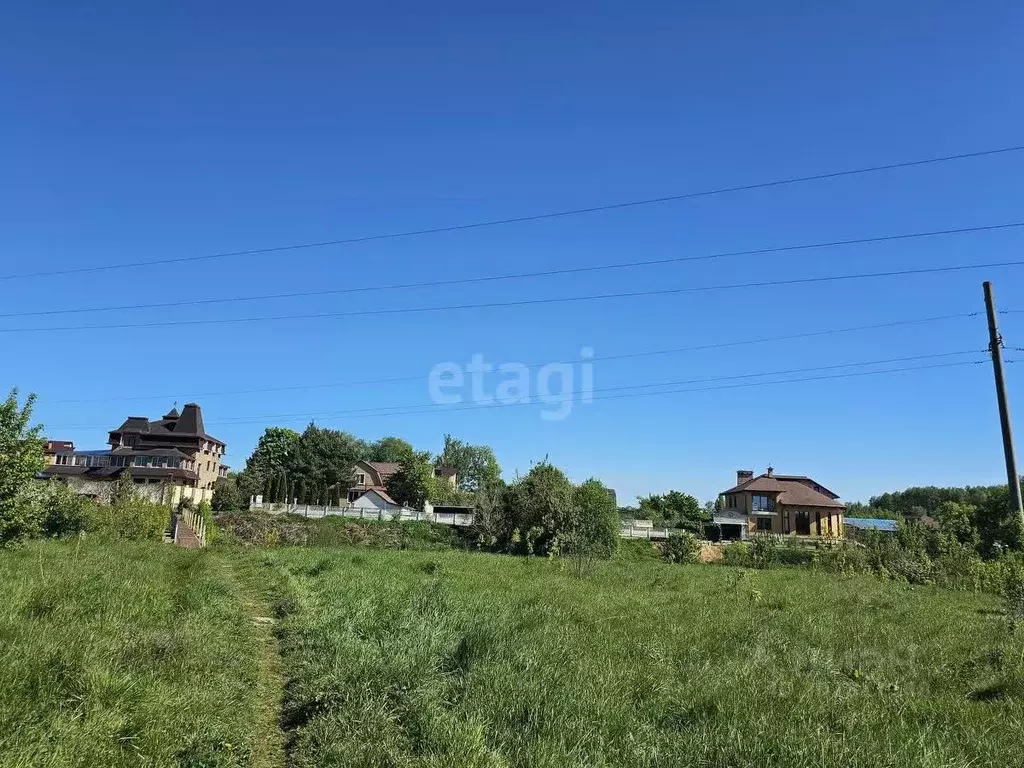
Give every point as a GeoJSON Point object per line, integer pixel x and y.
{"type": "Point", "coordinates": [762, 503]}
{"type": "Point", "coordinates": [817, 523]}
{"type": "Point", "coordinates": [360, 479]}
{"type": "Point", "coordinates": [830, 524]}
{"type": "Point", "coordinates": [764, 524]}
{"type": "Point", "coordinates": [730, 501]}
{"type": "Point", "coordinates": [352, 496]}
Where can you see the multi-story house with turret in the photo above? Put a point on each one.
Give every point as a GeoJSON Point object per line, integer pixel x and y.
{"type": "Point", "coordinates": [170, 458]}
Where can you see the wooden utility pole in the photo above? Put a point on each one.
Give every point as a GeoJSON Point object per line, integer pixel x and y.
{"type": "Point", "coordinates": [995, 346]}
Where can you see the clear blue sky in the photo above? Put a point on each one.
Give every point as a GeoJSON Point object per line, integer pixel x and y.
{"type": "Point", "coordinates": [147, 133]}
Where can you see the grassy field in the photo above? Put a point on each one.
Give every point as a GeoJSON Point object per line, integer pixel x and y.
{"type": "Point", "coordinates": [128, 655]}
{"type": "Point", "coordinates": [146, 655]}
{"type": "Point", "coordinates": [451, 659]}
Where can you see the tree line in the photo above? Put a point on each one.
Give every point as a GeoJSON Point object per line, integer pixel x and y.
{"type": "Point", "coordinates": [976, 516]}
{"type": "Point", "coordinates": [316, 467]}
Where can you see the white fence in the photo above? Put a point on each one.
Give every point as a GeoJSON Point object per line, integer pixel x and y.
{"type": "Point", "coordinates": [195, 522]}
{"type": "Point", "coordinates": [649, 532]}
{"type": "Point", "coordinates": [636, 529]}
{"type": "Point", "coordinates": [398, 514]}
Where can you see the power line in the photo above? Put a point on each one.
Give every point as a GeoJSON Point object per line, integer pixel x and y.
{"type": "Point", "coordinates": [527, 218]}
{"type": "Point", "coordinates": [522, 302]}
{"type": "Point", "coordinates": [410, 409]}
{"type": "Point", "coordinates": [569, 396]}
{"type": "Point", "coordinates": [524, 275]}
{"type": "Point", "coordinates": [649, 394]}
{"type": "Point", "coordinates": [605, 358]}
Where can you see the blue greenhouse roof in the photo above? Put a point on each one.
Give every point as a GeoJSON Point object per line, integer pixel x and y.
{"type": "Point", "coordinates": [871, 523]}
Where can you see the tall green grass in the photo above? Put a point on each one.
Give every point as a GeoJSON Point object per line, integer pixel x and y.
{"type": "Point", "coordinates": [454, 659]}
{"type": "Point", "coordinates": [124, 654]}
{"type": "Point", "coordinates": [118, 653]}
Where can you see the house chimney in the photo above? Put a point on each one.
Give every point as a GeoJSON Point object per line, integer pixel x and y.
{"type": "Point", "coordinates": [743, 475]}
{"type": "Point", "coordinates": [769, 471]}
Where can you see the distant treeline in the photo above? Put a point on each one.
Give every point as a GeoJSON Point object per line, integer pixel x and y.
{"type": "Point", "coordinates": [976, 515]}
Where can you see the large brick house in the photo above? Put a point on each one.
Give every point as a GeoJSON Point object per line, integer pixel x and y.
{"type": "Point", "coordinates": [374, 475]}
{"type": "Point", "coordinates": [781, 504]}
{"type": "Point", "coordinates": [170, 458]}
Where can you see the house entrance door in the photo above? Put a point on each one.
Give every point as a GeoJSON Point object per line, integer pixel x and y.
{"type": "Point", "coordinates": [803, 523]}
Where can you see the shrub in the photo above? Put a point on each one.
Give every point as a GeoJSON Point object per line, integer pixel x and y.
{"type": "Point", "coordinates": [737, 553]}
{"type": "Point", "coordinates": [597, 528]}
{"type": "Point", "coordinates": [21, 457]}
{"type": "Point", "coordinates": [228, 496]}
{"type": "Point", "coordinates": [537, 510]}
{"type": "Point", "coordinates": [64, 512]}
{"type": "Point", "coordinates": [132, 518]}
{"type": "Point", "coordinates": [205, 511]}
{"type": "Point", "coordinates": [637, 550]}
{"type": "Point", "coordinates": [682, 547]}
{"type": "Point", "coordinates": [763, 551]}
{"type": "Point", "coordinates": [261, 529]}
{"type": "Point", "coordinates": [841, 558]}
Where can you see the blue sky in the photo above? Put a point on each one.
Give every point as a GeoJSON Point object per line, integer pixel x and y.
{"type": "Point", "coordinates": [134, 133]}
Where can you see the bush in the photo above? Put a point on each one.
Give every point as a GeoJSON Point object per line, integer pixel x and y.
{"type": "Point", "coordinates": [64, 512]}
{"type": "Point", "coordinates": [841, 558]}
{"type": "Point", "coordinates": [205, 511]}
{"type": "Point", "coordinates": [597, 529]}
{"type": "Point", "coordinates": [264, 530]}
{"type": "Point", "coordinates": [637, 551]}
{"type": "Point", "coordinates": [132, 518]}
{"type": "Point", "coordinates": [228, 496]}
{"type": "Point", "coordinates": [682, 547]}
{"type": "Point", "coordinates": [737, 553]}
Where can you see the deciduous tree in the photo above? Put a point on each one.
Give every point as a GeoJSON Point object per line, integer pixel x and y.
{"type": "Point", "coordinates": [476, 465]}
{"type": "Point", "coordinates": [598, 522]}
{"type": "Point", "coordinates": [21, 458]}
{"type": "Point", "coordinates": [677, 509]}
{"type": "Point", "coordinates": [390, 449]}
{"type": "Point", "coordinates": [412, 483]}
{"type": "Point", "coordinates": [228, 496]}
{"type": "Point", "coordinates": [274, 454]}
